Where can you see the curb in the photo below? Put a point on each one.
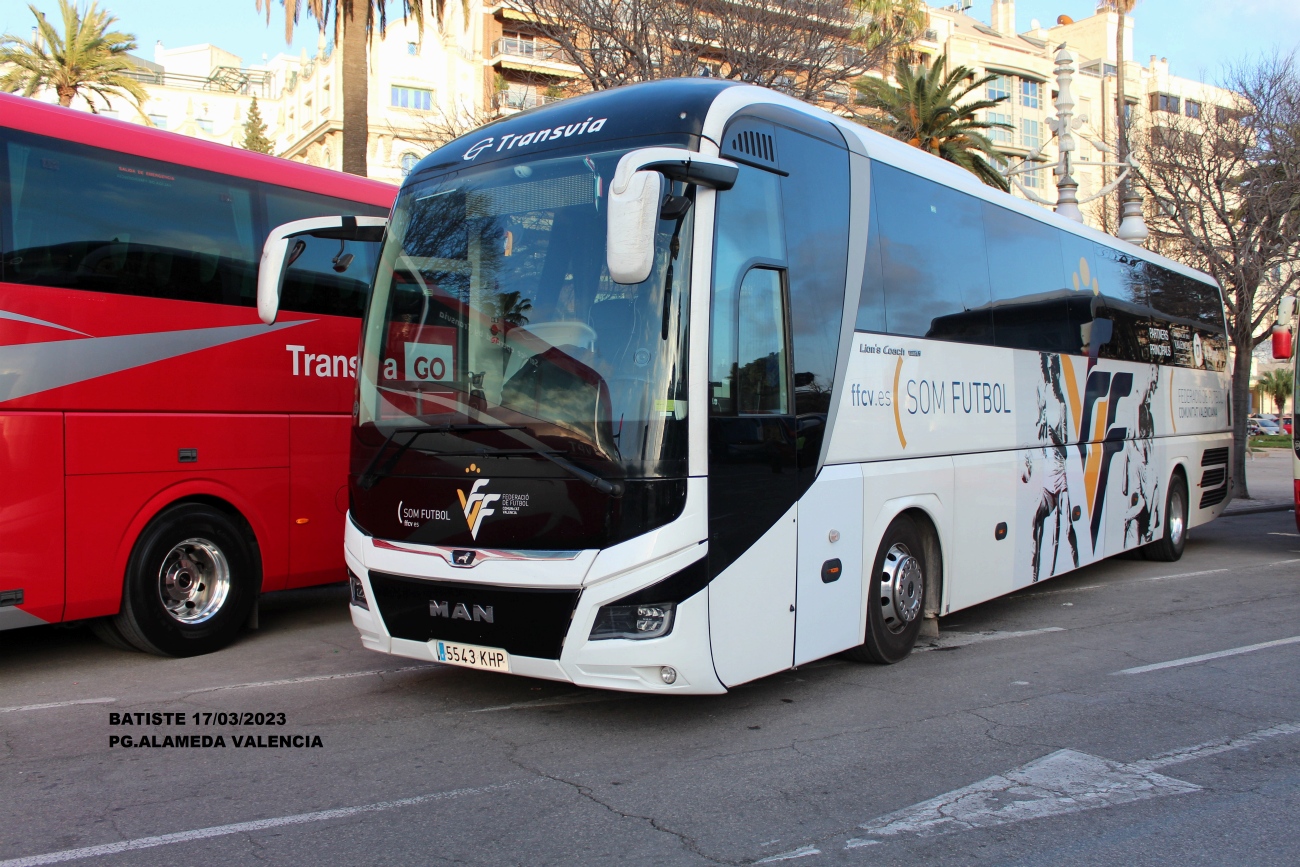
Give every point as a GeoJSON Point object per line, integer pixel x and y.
{"type": "Point", "coordinates": [1256, 510]}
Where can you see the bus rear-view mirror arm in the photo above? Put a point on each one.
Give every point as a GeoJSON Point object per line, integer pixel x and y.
{"type": "Point", "coordinates": [285, 244]}
{"type": "Point", "coordinates": [635, 197]}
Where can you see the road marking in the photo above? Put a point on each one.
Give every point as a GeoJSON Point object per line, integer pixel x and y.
{"type": "Point", "coordinates": [1060, 783]}
{"type": "Point", "coordinates": [962, 639]}
{"type": "Point", "coordinates": [312, 679]}
{"type": "Point", "coordinates": [802, 852]}
{"type": "Point", "coordinates": [1213, 748]}
{"type": "Point", "coordinates": [245, 827]}
{"type": "Point", "coordinates": [56, 704]}
{"type": "Point", "coordinates": [1204, 657]}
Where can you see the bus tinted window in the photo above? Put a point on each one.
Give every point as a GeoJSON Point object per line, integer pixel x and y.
{"type": "Point", "coordinates": [312, 284]}
{"type": "Point", "coordinates": [816, 199]}
{"type": "Point", "coordinates": [139, 227]}
{"type": "Point", "coordinates": [933, 257]}
{"type": "Point", "coordinates": [1032, 306]}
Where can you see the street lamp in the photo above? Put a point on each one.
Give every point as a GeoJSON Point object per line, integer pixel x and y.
{"type": "Point", "coordinates": [1065, 127]}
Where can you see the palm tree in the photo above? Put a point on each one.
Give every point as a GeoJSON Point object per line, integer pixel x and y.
{"type": "Point", "coordinates": [926, 109]}
{"type": "Point", "coordinates": [1277, 384]}
{"type": "Point", "coordinates": [355, 24]}
{"type": "Point", "coordinates": [87, 60]}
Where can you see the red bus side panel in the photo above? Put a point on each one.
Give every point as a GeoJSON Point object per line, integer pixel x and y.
{"type": "Point", "coordinates": [318, 446]}
{"type": "Point", "coordinates": [31, 510]}
{"type": "Point", "coordinates": [123, 469]}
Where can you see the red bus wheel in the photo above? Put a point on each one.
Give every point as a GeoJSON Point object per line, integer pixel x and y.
{"type": "Point", "coordinates": [191, 582]}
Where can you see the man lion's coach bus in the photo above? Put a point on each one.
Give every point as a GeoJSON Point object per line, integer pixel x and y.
{"type": "Point", "coordinates": [163, 457]}
{"type": "Point", "coordinates": [674, 386]}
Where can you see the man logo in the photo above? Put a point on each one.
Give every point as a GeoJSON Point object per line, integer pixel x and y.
{"type": "Point", "coordinates": [460, 611]}
{"type": "Point", "coordinates": [462, 558]}
{"type": "Point", "coordinates": [476, 506]}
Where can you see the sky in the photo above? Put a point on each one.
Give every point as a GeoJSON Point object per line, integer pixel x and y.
{"type": "Point", "coordinates": [1200, 37]}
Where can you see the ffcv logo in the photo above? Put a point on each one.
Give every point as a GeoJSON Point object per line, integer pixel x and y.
{"type": "Point", "coordinates": [477, 505]}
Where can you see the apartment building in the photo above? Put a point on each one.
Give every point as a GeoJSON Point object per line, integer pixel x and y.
{"type": "Point", "coordinates": [1024, 63]}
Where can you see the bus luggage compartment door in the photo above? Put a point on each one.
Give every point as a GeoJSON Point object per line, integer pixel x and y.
{"type": "Point", "coordinates": [829, 606]}
{"type": "Point", "coordinates": [31, 518]}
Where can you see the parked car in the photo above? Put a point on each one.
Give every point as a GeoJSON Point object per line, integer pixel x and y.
{"type": "Point", "coordinates": [1267, 427]}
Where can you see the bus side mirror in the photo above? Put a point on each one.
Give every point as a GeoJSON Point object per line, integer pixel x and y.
{"type": "Point", "coordinates": [631, 219]}
{"type": "Point", "coordinates": [1282, 329]}
{"type": "Point", "coordinates": [286, 243]}
{"type": "Point", "coordinates": [635, 196]}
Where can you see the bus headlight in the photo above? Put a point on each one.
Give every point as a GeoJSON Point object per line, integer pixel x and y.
{"type": "Point", "coordinates": [652, 620]}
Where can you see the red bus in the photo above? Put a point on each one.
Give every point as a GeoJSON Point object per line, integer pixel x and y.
{"type": "Point", "coordinates": [165, 456]}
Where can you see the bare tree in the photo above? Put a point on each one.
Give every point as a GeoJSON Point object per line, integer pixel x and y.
{"type": "Point", "coordinates": [803, 47]}
{"type": "Point", "coordinates": [1224, 196]}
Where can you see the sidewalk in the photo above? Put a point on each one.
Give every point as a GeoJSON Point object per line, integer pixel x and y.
{"type": "Point", "coordinates": [1268, 476]}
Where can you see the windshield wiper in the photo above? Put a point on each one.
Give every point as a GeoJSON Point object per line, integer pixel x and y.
{"type": "Point", "coordinates": [370, 475]}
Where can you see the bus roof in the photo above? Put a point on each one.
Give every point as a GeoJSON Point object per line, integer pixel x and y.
{"type": "Point", "coordinates": [30, 115]}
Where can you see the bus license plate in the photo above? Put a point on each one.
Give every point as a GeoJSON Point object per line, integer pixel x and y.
{"type": "Point", "coordinates": [471, 656]}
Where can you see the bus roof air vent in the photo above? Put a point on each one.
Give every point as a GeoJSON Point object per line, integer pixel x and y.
{"type": "Point", "coordinates": [753, 142]}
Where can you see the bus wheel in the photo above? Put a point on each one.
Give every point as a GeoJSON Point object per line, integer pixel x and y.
{"type": "Point", "coordinates": [1169, 547]}
{"type": "Point", "coordinates": [105, 629]}
{"type": "Point", "coordinates": [895, 596]}
{"type": "Point", "coordinates": [190, 583]}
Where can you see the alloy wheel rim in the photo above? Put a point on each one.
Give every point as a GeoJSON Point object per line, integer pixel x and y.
{"type": "Point", "coordinates": [194, 581]}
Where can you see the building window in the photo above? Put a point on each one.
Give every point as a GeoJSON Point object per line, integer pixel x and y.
{"type": "Point", "coordinates": [204, 124]}
{"type": "Point", "coordinates": [1002, 136]}
{"type": "Point", "coordinates": [409, 161]}
{"type": "Point", "coordinates": [413, 49]}
{"type": "Point", "coordinates": [1192, 109]}
{"type": "Point", "coordinates": [158, 120]}
{"type": "Point", "coordinates": [1031, 134]}
{"type": "Point", "coordinates": [1166, 102]}
{"type": "Point", "coordinates": [1000, 88]}
{"type": "Point", "coordinates": [1033, 179]}
{"type": "Point", "coordinates": [1031, 93]}
{"type": "Point", "coordinates": [412, 97]}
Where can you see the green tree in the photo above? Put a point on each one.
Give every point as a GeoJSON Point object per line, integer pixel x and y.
{"type": "Point", "coordinates": [355, 24]}
{"type": "Point", "coordinates": [927, 109]}
{"type": "Point", "coordinates": [1277, 384]}
{"type": "Point", "coordinates": [86, 60]}
{"type": "Point", "coordinates": [255, 131]}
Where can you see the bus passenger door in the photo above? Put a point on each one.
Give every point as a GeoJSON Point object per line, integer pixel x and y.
{"type": "Point", "coordinates": [753, 483]}
{"type": "Point", "coordinates": [31, 519]}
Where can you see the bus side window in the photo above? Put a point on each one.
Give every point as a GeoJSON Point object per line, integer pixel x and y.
{"type": "Point", "coordinates": [934, 258]}
{"type": "Point", "coordinates": [139, 226]}
{"type": "Point", "coordinates": [762, 380]}
{"type": "Point", "coordinates": [749, 230]}
{"type": "Point", "coordinates": [312, 284]}
{"type": "Point", "coordinates": [1031, 304]}
{"type": "Point", "coordinates": [871, 303]}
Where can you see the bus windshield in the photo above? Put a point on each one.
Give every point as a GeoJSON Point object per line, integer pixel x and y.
{"type": "Point", "coordinates": [494, 320]}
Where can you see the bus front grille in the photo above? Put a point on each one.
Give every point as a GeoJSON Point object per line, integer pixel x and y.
{"type": "Point", "coordinates": [521, 622]}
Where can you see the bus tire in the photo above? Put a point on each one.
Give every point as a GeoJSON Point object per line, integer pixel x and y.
{"type": "Point", "coordinates": [106, 631]}
{"type": "Point", "coordinates": [190, 584]}
{"type": "Point", "coordinates": [895, 595]}
{"type": "Point", "coordinates": [1169, 547]}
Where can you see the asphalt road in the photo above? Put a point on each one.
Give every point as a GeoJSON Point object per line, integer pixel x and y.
{"type": "Point", "coordinates": [1017, 739]}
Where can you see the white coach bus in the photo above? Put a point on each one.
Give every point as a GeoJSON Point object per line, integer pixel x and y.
{"type": "Point", "coordinates": [671, 387]}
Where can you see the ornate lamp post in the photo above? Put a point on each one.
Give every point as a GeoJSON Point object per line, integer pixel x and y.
{"type": "Point", "coordinates": [1065, 127]}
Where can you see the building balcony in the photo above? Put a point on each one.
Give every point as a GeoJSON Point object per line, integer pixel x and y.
{"type": "Point", "coordinates": [508, 102]}
{"type": "Point", "coordinates": [531, 56]}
